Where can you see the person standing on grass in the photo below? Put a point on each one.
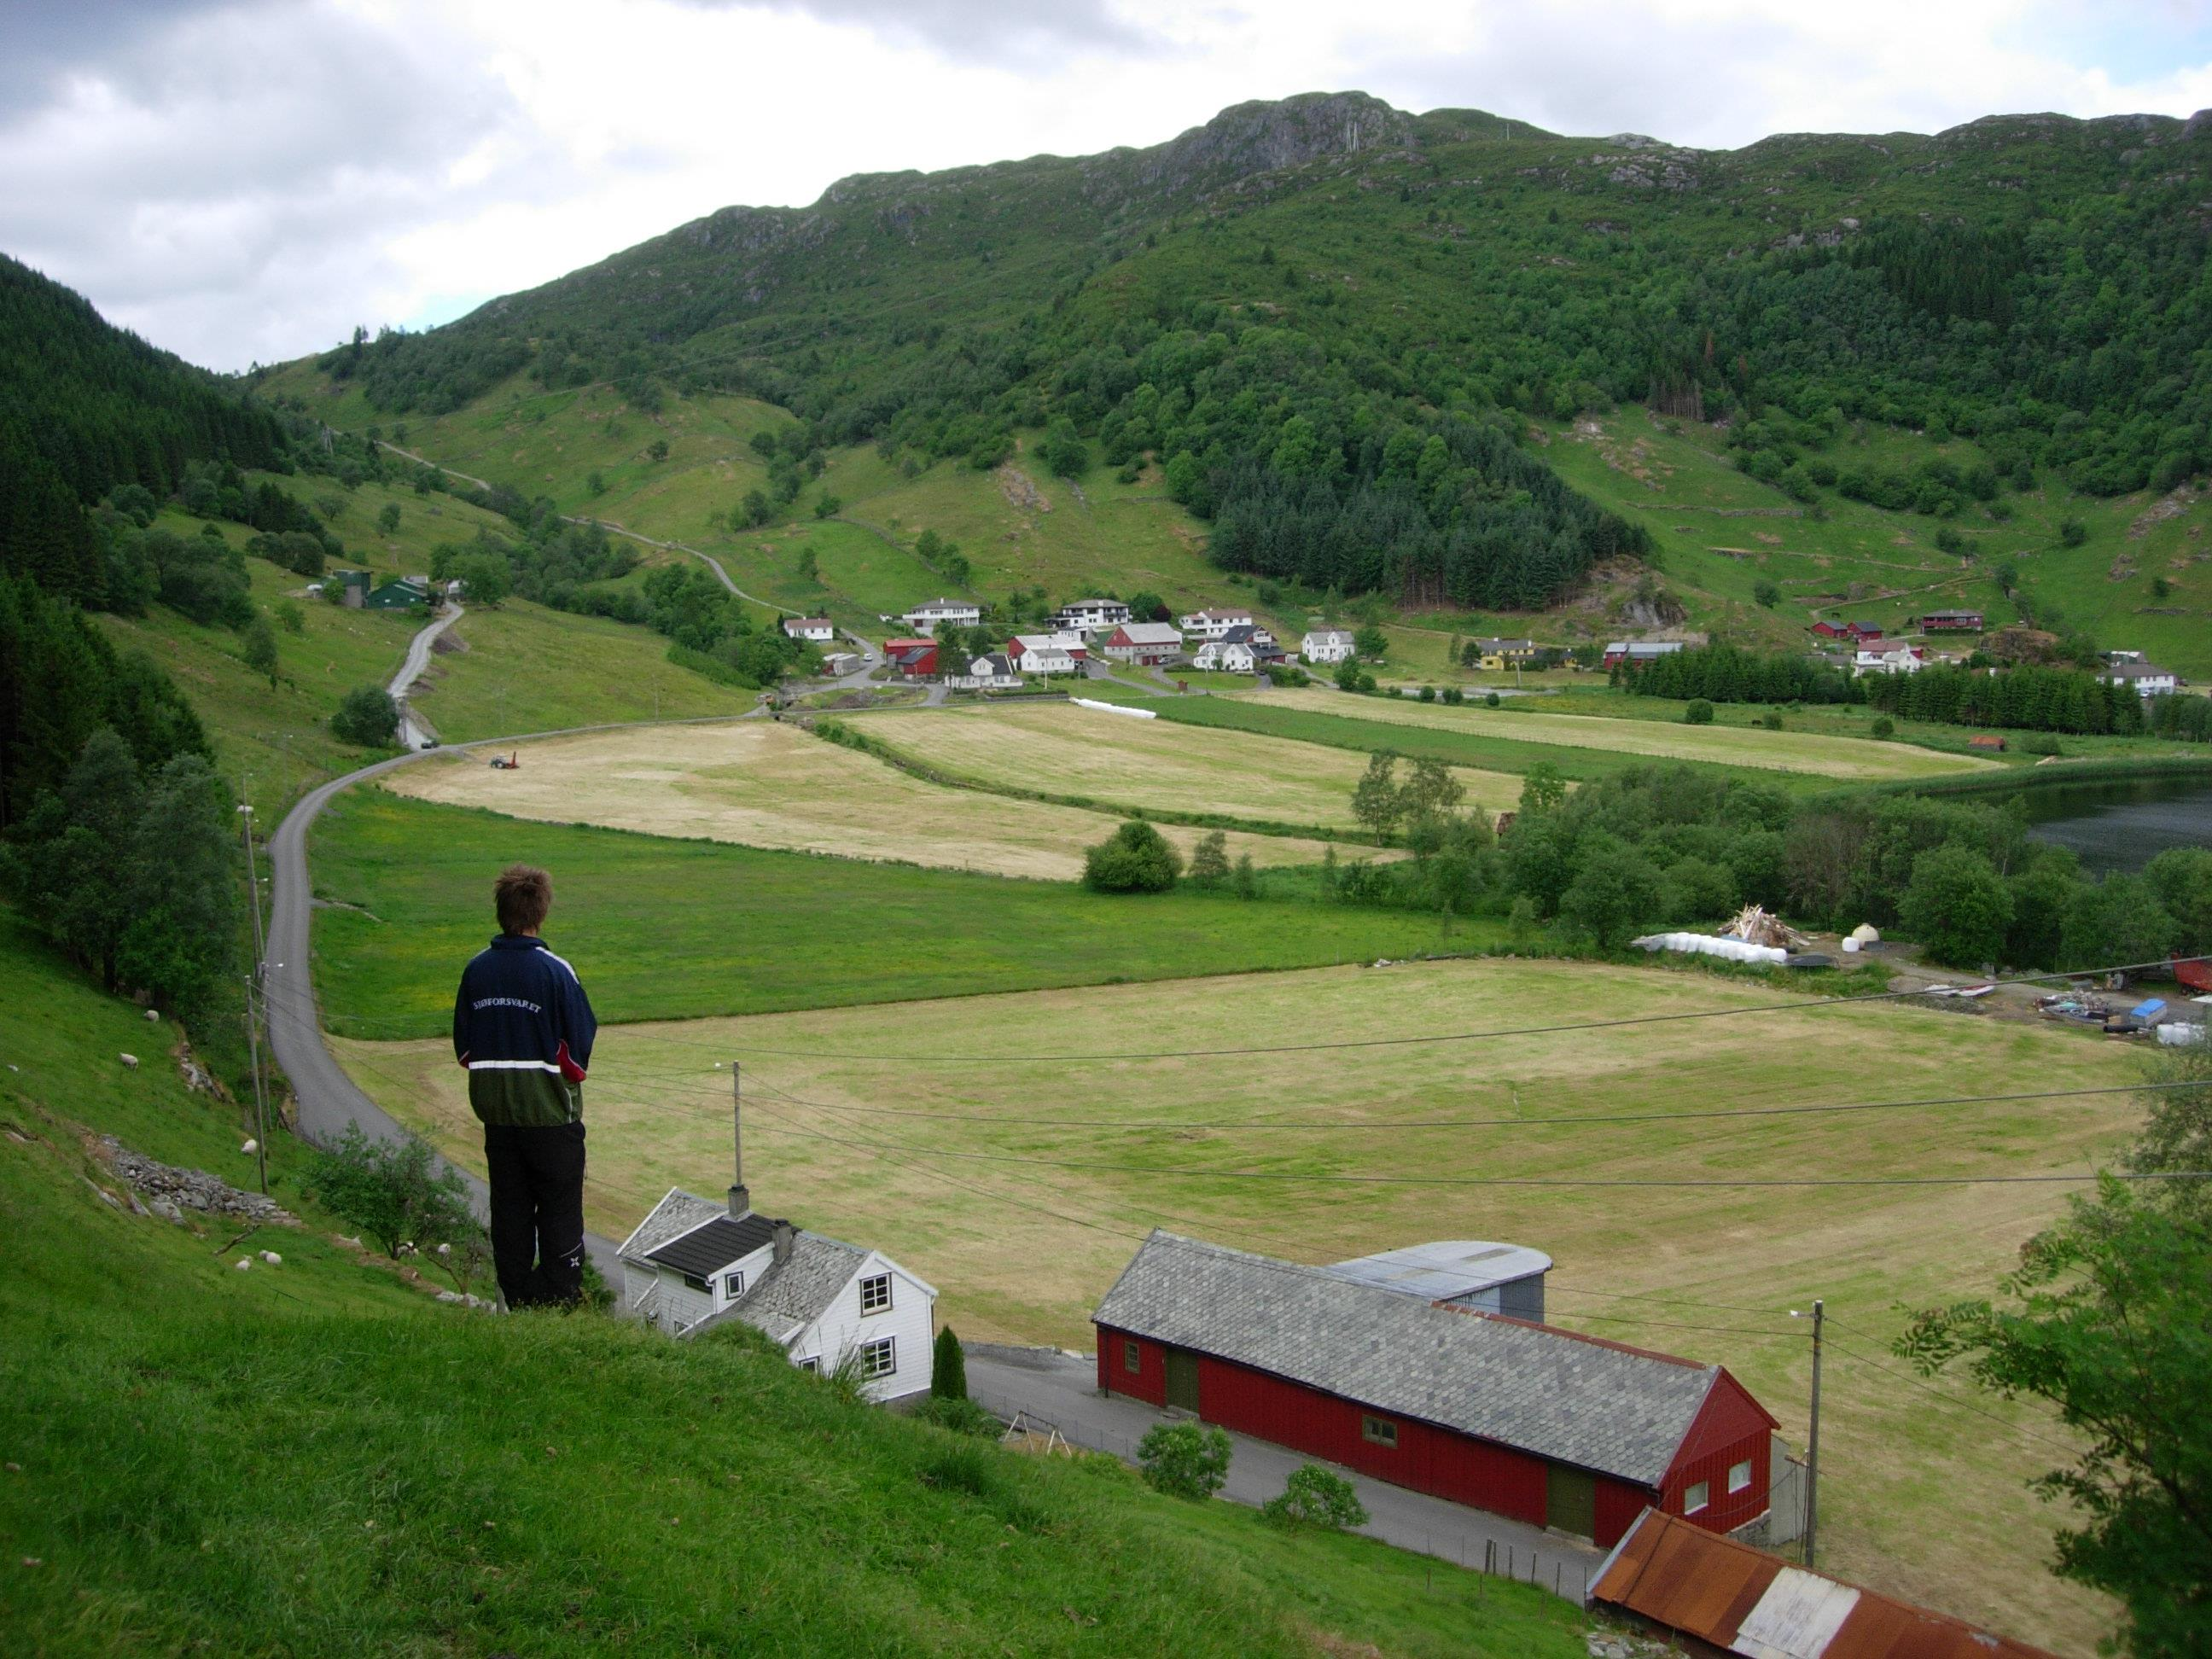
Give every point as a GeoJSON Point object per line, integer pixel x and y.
{"type": "Point", "coordinates": [523, 1027]}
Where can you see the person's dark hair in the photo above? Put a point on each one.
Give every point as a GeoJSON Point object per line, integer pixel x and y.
{"type": "Point", "coordinates": [522, 896]}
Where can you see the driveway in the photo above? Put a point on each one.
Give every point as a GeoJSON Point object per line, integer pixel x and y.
{"type": "Point", "coordinates": [1064, 1390]}
{"type": "Point", "coordinates": [414, 733]}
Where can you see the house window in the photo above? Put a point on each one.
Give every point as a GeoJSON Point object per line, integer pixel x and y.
{"type": "Point", "coordinates": [696, 1282]}
{"type": "Point", "coordinates": [735, 1286]}
{"type": "Point", "coordinates": [878, 1358]}
{"type": "Point", "coordinates": [1379, 1432]}
{"type": "Point", "coordinates": [1132, 1357]}
{"type": "Point", "coordinates": [1739, 1475]}
{"type": "Point", "coordinates": [875, 1293]}
{"type": "Point", "coordinates": [811, 1363]}
{"type": "Point", "coordinates": [1697, 1497]}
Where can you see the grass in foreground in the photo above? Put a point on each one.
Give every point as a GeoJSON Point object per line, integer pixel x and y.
{"type": "Point", "coordinates": [1918, 1492]}
{"type": "Point", "coordinates": [765, 784]}
{"type": "Point", "coordinates": [664, 928]}
{"type": "Point", "coordinates": [312, 1458]}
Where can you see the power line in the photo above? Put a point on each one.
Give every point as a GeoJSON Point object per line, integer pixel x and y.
{"type": "Point", "coordinates": [1950, 1399]}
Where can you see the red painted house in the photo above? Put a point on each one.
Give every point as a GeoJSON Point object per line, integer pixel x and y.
{"type": "Point", "coordinates": [1547, 1426]}
{"type": "Point", "coordinates": [1846, 630]}
{"type": "Point", "coordinates": [914, 658]}
{"type": "Point", "coordinates": [1950, 622]}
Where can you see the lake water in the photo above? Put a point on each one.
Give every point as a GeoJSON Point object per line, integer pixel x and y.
{"type": "Point", "coordinates": [2123, 825]}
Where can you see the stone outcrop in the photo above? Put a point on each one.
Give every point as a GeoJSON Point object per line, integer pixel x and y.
{"type": "Point", "coordinates": [171, 1190]}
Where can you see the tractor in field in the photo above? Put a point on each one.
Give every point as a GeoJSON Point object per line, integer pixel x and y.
{"type": "Point", "coordinates": [507, 762]}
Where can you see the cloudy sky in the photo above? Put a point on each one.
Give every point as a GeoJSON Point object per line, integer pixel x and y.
{"type": "Point", "coordinates": [244, 181]}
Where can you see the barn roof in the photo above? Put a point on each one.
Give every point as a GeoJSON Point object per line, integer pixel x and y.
{"type": "Point", "coordinates": [1145, 632]}
{"type": "Point", "coordinates": [1572, 1398]}
{"type": "Point", "coordinates": [1681, 1578]}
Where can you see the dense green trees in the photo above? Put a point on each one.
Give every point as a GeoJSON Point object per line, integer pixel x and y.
{"type": "Point", "coordinates": [1726, 673]}
{"type": "Point", "coordinates": [1135, 859]}
{"type": "Point", "coordinates": [1957, 907]}
{"type": "Point", "coordinates": [366, 715]}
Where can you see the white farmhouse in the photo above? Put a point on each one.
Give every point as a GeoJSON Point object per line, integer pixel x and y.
{"type": "Point", "coordinates": [1088, 616]}
{"type": "Point", "coordinates": [692, 1264]}
{"type": "Point", "coordinates": [1213, 625]}
{"type": "Point", "coordinates": [818, 629]}
{"type": "Point", "coordinates": [1045, 653]}
{"type": "Point", "coordinates": [942, 613]}
{"type": "Point", "coordinates": [994, 672]}
{"type": "Point", "coordinates": [1888, 657]}
{"type": "Point", "coordinates": [1241, 650]}
{"type": "Point", "coordinates": [2149, 680]}
{"type": "Point", "coordinates": [1326, 645]}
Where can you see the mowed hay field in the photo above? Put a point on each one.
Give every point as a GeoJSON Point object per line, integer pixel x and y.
{"type": "Point", "coordinates": [765, 784]}
{"type": "Point", "coordinates": [1155, 765]}
{"type": "Point", "coordinates": [1849, 758]}
{"type": "Point", "coordinates": [925, 1159]}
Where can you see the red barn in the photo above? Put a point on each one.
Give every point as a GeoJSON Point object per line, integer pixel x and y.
{"type": "Point", "coordinates": [915, 658]}
{"type": "Point", "coordinates": [1828, 631]}
{"type": "Point", "coordinates": [1546, 1426]}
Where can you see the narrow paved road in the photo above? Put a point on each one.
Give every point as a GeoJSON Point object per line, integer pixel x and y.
{"type": "Point", "coordinates": [414, 731]}
{"type": "Point", "coordinates": [1064, 1391]}
{"type": "Point", "coordinates": [709, 559]}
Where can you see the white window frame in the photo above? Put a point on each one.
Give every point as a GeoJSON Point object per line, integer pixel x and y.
{"type": "Point", "coordinates": [883, 1349]}
{"type": "Point", "coordinates": [869, 1287]}
{"type": "Point", "coordinates": [811, 1363]}
{"type": "Point", "coordinates": [1378, 1430]}
{"type": "Point", "coordinates": [1697, 1495]}
{"type": "Point", "coordinates": [699, 1282]}
{"type": "Point", "coordinates": [733, 1286]}
{"type": "Point", "coordinates": [1746, 1470]}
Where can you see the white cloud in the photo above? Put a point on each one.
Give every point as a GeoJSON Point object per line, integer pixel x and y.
{"type": "Point", "coordinates": [249, 180]}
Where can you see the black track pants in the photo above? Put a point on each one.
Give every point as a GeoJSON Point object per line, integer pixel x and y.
{"type": "Point", "coordinates": [537, 1211]}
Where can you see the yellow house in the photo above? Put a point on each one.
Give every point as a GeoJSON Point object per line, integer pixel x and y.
{"type": "Point", "coordinates": [1498, 655]}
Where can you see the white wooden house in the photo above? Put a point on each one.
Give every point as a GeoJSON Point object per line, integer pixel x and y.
{"type": "Point", "coordinates": [2149, 680]}
{"type": "Point", "coordinates": [1045, 653]}
{"type": "Point", "coordinates": [1888, 657]}
{"type": "Point", "coordinates": [819, 629]}
{"type": "Point", "coordinates": [692, 1264]}
{"type": "Point", "coordinates": [942, 613]}
{"type": "Point", "coordinates": [1241, 650]}
{"type": "Point", "coordinates": [1213, 625]}
{"type": "Point", "coordinates": [994, 672]}
{"type": "Point", "coordinates": [1088, 616]}
{"type": "Point", "coordinates": [1326, 645]}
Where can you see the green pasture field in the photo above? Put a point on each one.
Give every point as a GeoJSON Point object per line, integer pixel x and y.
{"type": "Point", "coordinates": [914, 1123]}
{"type": "Point", "coordinates": [272, 746]}
{"type": "Point", "coordinates": [493, 1485]}
{"type": "Point", "coordinates": [663, 928]}
{"type": "Point", "coordinates": [525, 668]}
{"type": "Point", "coordinates": [1115, 760]}
{"type": "Point", "coordinates": [1833, 758]}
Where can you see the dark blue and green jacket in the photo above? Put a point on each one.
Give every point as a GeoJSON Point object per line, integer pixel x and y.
{"type": "Point", "coordinates": [524, 1028]}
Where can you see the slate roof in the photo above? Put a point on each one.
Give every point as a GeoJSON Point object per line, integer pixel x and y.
{"type": "Point", "coordinates": [1568, 1398]}
{"type": "Point", "coordinates": [679, 1212]}
{"type": "Point", "coordinates": [712, 1246]}
{"type": "Point", "coordinates": [795, 1292]}
{"type": "Point", "coordinates": [1136, 633]}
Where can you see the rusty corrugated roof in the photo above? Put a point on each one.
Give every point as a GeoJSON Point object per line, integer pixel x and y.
{"type": "Point", "coordinates": [1745, 1600]}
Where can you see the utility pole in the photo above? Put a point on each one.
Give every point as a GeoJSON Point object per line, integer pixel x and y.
{"type": "Point", "coordinates": [1813, 1442]}
{"type": "Point", "coordinates": [252, 1023]}
{"type": "Point", "coordinates": [741, 1201]}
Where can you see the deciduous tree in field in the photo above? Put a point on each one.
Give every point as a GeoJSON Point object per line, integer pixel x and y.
{"type": "Point", "coordinates": [1957, 906]}
{"type": "Point", "coordinates": [259, 641]}
{"type": "Point", "coordinates": [1135, 859]}
{"type": "Point", "coordinates": [1209, 860]}
{"type": "Point", "coordinates": [368, 716]}
{"type": "Point", "coordinates": [1378, 802]}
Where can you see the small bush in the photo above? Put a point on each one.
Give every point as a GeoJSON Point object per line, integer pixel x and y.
{"type": "Point", "coordinates": [1491, 700]}
{"type": "Point", "coordinates": [367, 716]}
{"type": "Point", "coordinates": [1885, 727]}
{"type": "Point", "coordinates": [1183, 1459]}
{"type": "Point", "coordinates": [970, 1469]}
{"type": "Point", "coordinates": [1771, 720]}
{"type": "Point", "coordinates": [1699, 712]}
{"type": "Point", "coordinates": [1135, 859]}
{"type": "Point", "coordinates": [960, 1417]}
{"type": "Point", "coordinates": [1314, 1496]}
{"type": "Point", "coordinates": [2073, 532]}
{"type": "Point", "coordinates": [393, 1190]}
{"type": "Point", "coordinates": [1428, 694]}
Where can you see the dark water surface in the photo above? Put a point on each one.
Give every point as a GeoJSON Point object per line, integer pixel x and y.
{"type": "Point", "coordinates": [2122, 825]}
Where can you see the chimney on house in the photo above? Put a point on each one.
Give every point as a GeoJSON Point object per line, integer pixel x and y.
{"type": "Point", "coordinates": [741, 1201]}
{"type": "Point", "coordinates": [780, 1252]}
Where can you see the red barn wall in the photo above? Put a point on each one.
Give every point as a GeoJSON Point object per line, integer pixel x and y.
{"type": "Point", "coordinates": [1730, 1427]}
{"type": "Point", "coordinates": [1149, 1382]}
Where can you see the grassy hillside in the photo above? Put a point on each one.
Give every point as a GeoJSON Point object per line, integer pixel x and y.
{"type": "Point", "coordinates": [667, 928]}
{"type": "Point", "coordinates": [314, 1457]}
{"type": "Point", "coordinates": [983, 1139]}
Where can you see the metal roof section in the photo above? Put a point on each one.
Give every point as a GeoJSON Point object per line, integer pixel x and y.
{"type": "Point", "coordinates": [713, 1245]}
{"type": "Point", "coordinates": [675, 1215]}
{"type": "Point", "coordinates": [1444, 1269]}
{"type": "Point", "coordinates": [1572, 1398]}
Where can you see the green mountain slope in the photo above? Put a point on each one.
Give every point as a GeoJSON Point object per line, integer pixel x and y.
{"type": "Point", "coordinates": [311, 1456]}
{"type": "Point", "coordinates": [1334, 335]}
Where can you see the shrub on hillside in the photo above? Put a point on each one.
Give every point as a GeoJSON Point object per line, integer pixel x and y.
{"type": "Point", "coordinates": [1183, 1459]}
{"type": "Point", "coordinates": [1885, 727]}
{"type": "Point", "coordinates": [368, 716]}
{"type": "Point", "coordinates": [1699, 712]}
{"type": "Point", "coordinates": [948, 1370]}
{"type": "Point", "coordinates": [1315, 1497]}
{"type": "Point", "coordinates": [1135, 859]}
{"type": "Point", "coordinates": [393, 1190]}
{"type": "Point", "coordinates": [960, 1417]}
